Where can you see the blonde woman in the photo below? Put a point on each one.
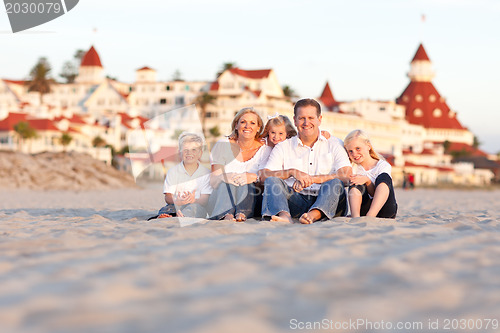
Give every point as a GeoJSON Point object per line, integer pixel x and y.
{"type": "Point", "coordinates": [235, 161]}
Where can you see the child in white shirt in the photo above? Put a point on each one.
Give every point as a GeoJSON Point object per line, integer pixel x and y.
{"type": "Point", "coordinates": [371, 192]}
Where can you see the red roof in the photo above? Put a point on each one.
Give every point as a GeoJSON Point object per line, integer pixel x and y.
{"type": "Point", "coordinates": [91, 58]}
{"type": "Point", "coordinates": [410, 164]}
{"type": "Point", "coordinates": [421, 54]}
{"type": "Point", "coordinates": [427, 106]}
{"type": "Point", "coordinates": [43, 125]}
{"type": "Point", "coordinates": [15, 82]}
{"type": "Point", "coordinates": [145, 68]}
{"type": "Point", "coordinates": [327, 98]}
{"type": "Point", "coordinates": [77, 120]}
{"type": "Point", "coordinates": [12, 119]}
{"type": "Point", "coordinates": [254, 74]}
{"type": "Point", "coordinates": [445, 169]}
{"type": "Point", "coordinates": [214, 86]}
{"type": "Point", "coordinates": [459, 146]}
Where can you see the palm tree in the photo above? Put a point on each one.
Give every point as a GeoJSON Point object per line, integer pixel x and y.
{"type": "Point", "coordinates": [25, 131]}
{"type": "Point", "coordinates": [225, 66]}
{"type": "Point", "coordinates": [40, 80]}
{"type": "Point", "coordinates": [177, 76]}
{"type": "Point", "coordinates": [65, 139]}
{"type": "Point", "coordinates": [288, 91]}
{"type": "Point", "coordinates": [476, 142]}
{"type": "Point", "coordinates": [98, 142]}
{"type": "Point", "coordinates": [203, 101]}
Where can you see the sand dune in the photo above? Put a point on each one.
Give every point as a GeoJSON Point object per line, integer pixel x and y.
{"type": "Point", "coordinates": [88, 261]}
{"type": "Point", "coordinates": [59, 171]}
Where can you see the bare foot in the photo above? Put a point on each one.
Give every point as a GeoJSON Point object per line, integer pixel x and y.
{"type": "Point", "coordinates": [240, 217]}
{"type": "Point", "coordinates": [282, 217]}
{"type": "Point", "coordinates": [229, 217]}
{"type": "Point", "coordinates": [162, 216]}
{"type": "Point", "coordinates": [310, 217]}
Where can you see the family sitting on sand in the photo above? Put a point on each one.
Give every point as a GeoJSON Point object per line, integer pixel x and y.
{"type": "Point", "coordinates": [279, 173]}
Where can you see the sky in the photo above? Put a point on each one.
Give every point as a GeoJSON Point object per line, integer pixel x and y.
{"type": "Point", "coordinates": [363, 48]}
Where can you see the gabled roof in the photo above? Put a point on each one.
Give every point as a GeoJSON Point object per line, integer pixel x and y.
{"type": "Point", "coordinates": [421, 54]}
{"type": "Point", "coordinates": [327, 98]}
{"type": "Point", "coordinates": [427, 105]}
{"type": "Point", "coordinates": [145, 68]}
{"type": "Point", "coordinates": [91, 58]}
{"type": "Point", "coordinates": [253, 74]}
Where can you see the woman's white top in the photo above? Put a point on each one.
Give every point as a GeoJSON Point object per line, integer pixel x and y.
{"type": "Point", "coordinates": [381, 167]}
{"type": "Point", "coordinates": [222, 154]}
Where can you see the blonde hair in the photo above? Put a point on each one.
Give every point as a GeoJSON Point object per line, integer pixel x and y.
{"type": "Point", "coordinates": [186, 137]}
{"type": "Point", "coordinates": [359, 134]}
{"type": "Point", "coordinates": [279, 121]}
{"type": "Point", "coordinates": [236, 119]}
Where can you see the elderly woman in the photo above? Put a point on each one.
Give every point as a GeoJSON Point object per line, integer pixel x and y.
{"type": "Point", "coordinates": [236, 161]}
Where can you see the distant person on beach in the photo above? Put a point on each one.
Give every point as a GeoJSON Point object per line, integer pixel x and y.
{"type": "Point", "coordinates": [236, 161]}
{"type": "Point", "coordinates": [411, 181]}
{"type": "Point", "coordinates": [187, 185]}
{"type": "Point", "coordinates": [371, 192]}
{"type": "Point", "coordinates": [305, 175]}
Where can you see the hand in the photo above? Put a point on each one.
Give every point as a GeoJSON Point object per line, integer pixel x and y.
{"type": "Point", "coordinates": [297, 187]}
{"type": "Point", "coordinates": [184, 198]}
{"type": "Point", "coordinates": [304, 179]}
{"type": "Point", "coordinates": [326, 134]}
{"type": "Point", "coordinates": [359, 179]}
{"type": "Point", "coordinates": [179, 214]}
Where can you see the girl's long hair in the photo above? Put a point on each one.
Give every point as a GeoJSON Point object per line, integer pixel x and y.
{"type": "Point", "coordinates": [278, 121]}
{"type": "Point", "coordinates": [360, 134]}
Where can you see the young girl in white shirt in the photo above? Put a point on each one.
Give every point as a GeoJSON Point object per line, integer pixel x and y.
{"type": "Point", "coordinates": [371, 192]}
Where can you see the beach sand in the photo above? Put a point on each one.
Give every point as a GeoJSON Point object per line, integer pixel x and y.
{"type": "Point", "coordinates": [87, 261]}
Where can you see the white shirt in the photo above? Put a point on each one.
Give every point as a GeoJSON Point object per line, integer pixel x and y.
{"type": "Point", "coordinates": [381, 167]}
{"type": "Point", "coordinates": [222, 154]}
{"type": "Point", "coordinates": [323, 158]}
{"type": "Point", "coordinates": [178, 180]}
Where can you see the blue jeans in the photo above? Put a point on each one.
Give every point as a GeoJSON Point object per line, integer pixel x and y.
{"type": "Point", "coordinates": [189, 210]}
{"type": "Point", "coordinates": [231, 199]}
{"type": "Point", "coordinates": [279, 197]}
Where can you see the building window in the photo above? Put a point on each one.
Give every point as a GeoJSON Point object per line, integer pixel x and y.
{"type": "Point", "coordinates": [405, 98]}
{"type": "Point", "coordinates": [382, 108]}
{"type": "Point", "coordinates": [437, 113]}
{"type": "Point", "coordinates": [179, 100]}
{"type": "Point", "coordinates": [419, 98]}
{"type": "Point", "coordinates": [186, 87]}
{"type": "Point", "coordinates": [163, 101]}
{"type": "Point", "coordinates": [432, 98]}
{"type": "Point", "coordinates": [418, 113]}
{"type": "Point", "coordinates": [167, 88]}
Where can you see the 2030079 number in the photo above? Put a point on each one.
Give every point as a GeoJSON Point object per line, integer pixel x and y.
{"type": "Point", "coordinates": [470, 324]}
{"type": "Point", "coordinates": [33, 8]}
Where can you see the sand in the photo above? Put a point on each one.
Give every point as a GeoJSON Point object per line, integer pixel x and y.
{"type": "Point", "coordinates": [88, 261]}
{"type": "Point", "coordinates": [59, 171]}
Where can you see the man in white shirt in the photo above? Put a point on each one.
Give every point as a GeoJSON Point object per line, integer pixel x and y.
{"type": "Point", "coordinates": [305, 175]}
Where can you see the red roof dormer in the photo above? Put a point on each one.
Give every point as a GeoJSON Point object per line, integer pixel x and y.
{"type": "Point", "coordinates": [91, 58]}
{"type": "Point", "coordinates": [327, 98]}
{"type": "Point", "coordinates": [421, 54]}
